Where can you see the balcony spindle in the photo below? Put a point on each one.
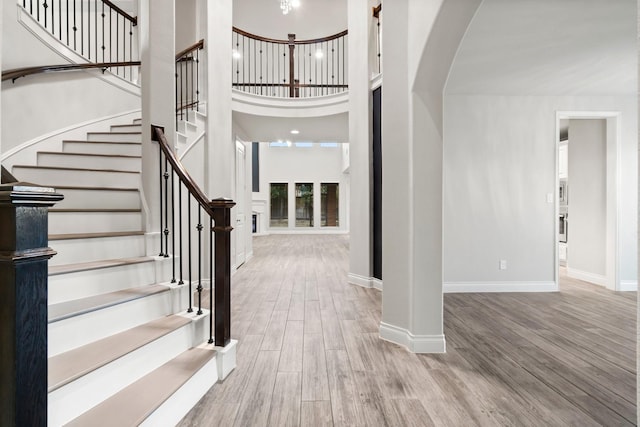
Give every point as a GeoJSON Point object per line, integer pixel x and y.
{"type": "Point", "coordinates": [199, 288]}
{"type": "Point", "coordinates": [180, 282]}
{"type": "Point", "coordinates": [160, 155]}
{"type": "Point", "coordinates": [189, 264]}
{"type": "Point", "coordinates": [166, 207]}
{"type": "Point", "coordinates": [173, 229]}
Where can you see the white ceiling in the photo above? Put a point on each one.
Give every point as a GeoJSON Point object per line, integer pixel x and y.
{"type": "Point", "coordinates": [313, 19]}
{"type": "Point", "coordinates": [548, 47]}
{"type": "Point", "coordinates": [334, 128]}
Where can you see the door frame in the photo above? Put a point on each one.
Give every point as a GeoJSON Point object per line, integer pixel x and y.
{"type": "Point", "coordinates": [240, 145]}
{"type": "Point", "coordinates": [613, 161]}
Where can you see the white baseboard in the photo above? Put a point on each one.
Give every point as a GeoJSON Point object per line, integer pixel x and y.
{"type": "Point", "coordinates": [414, 343]}
{"type": "Point", "coordinates": [477, 287]}
{"type": "Point", "coordinates": [597, 279]}
{"type": "Point", "coordinates": [628, 285]}
{"type": "Point", "coordinates": [365, 282]}
{"type": "Point", "coordinates": [310, 230]}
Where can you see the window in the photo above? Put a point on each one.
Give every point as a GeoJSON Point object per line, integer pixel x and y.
{"type": "Point", "coordinates": [329, 144]}
{"type": "Point", "coordinates": [279, 205]}
{"type": "Point", "coordinates": [304, 144]}
{"type": "Point", "coordinates": [255, 167]}
{"type": "Point", "coordinates": [329, 212]}
{"type": "Point", "coordinates": [304, 205]}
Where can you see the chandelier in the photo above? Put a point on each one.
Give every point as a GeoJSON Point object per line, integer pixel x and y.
{"type": "Point", "coordinates": [287, 5]}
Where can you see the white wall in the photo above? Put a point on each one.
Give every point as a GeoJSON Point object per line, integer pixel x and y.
{"type": "Point", "coordinates": [293, 165]}
{"type": "Point", "coordinates": [186, 26]}
{"type": "Point", "coordinates": [55, 100]}
{"type": "Point", "coordinates": [499, 166]}
{"type": "Point", "coordinates": [587, 197]}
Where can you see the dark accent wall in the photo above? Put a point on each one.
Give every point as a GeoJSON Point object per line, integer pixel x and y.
{"type": "Point", "coordinates": [255, 167]}
{"type": "Point", "coordinates": [377, 183]}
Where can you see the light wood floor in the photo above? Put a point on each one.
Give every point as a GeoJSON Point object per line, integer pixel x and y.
{"type": "Point", "coordinates": [309, 352]}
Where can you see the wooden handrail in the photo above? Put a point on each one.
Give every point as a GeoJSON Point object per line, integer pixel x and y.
{"type": "Point", "coordinates": [157, 135]}
{"type": "Point", "coordinates": [310, 41]}
{"type": "Point", "coordinates": [133, 19]}
{"type": "Point", "coordinates": [196, 46]}
{"type": "Point", "coordinates": [377, 10]}
{"type": "Point", "coordinates": [6, 177]}
{"type": "Point", "coordinates": [23, 72]}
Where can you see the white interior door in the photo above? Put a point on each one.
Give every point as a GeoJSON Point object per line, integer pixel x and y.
{"type": "Point", "coordinates": [240, 234]}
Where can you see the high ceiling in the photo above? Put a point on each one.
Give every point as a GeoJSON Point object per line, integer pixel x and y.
{"type": "Point", "coordinates": [548, 47]}
{"type": "Point", "coordinates": [313, 19]}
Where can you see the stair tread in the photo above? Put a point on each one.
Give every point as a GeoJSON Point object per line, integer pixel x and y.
{"type": "Point", "coordinates": [102, 142]}
{"type": "Point", "coordinates": [96, 265]}
{"type": "Point", "coordinates": [115, 133]}
{"type": "Point", "coordinates": [73, 364]}
{"type": "Point", "coordinates": [73, 236]}
{"type": "Point", "coordinates": [65, 153]}
{"type": "Point", "coordinates": [122, 126]}
{"type": "Point", "coordinates": [135, 403]}
{"type": "Point", "coordinates": [76, 187]}
{"type": "Point", "coordinates": [92, 210]}
{"type": "Point", "coordinates": [73, 169]}
{"type": "Point", "coordinates": [67, 309]}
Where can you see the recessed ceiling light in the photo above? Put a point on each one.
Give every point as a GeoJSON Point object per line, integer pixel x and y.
{"type": "Point", "coordinates": [295, 3]}
{"type": "Point", "coordinates": [295, 131]}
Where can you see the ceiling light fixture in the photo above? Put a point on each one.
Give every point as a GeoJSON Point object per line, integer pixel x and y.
{"type": "Point", "coordinates": [236, 54]}
{"type": "Point", "coordinates": [295, 131]}
{"type": "Point", "coordinates": [319, 54]}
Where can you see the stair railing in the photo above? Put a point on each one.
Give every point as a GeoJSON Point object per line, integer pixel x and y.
{"type": "Point", "coordinates": [217, 229]}
{"type": "Point", "coordinates": [377, 14]}
{"type": "Point", "coordinates": [289, 68]}
{"type": "Point", "coordinates": [188, 81]}
{"type": "Point", "coordinates": [98, 30]}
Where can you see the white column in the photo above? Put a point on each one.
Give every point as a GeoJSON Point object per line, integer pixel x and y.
{"type": "Point", "coordinates": [216, 30]}
{"type": "Point", "coordinates": [360, 258]}
{"type": "Point", "coordinates": [157, 33]}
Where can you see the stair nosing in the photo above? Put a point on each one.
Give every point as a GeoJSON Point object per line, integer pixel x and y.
{"type": "Point", "coordinates": [77, 236]}
{"type": "Point", "coordinates": [55, 270]}
{"type": "Point", "coordinates": [114, 133]}
{"type": "Point", "coordinates": [97, 364]}
{"type": "Point", "coordinates": [127, 295]}
{"type": "Point", "coordinates": [101, 142]}
{"type": "Point", "coordinates": [94, 210]}
{"type": "Point", "coordinates": [64, 153]}
{"type": "Point", "coordinates": [73, 169]}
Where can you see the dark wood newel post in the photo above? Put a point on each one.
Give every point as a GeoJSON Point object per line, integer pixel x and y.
{"type": "Point", "coordinates": [292, 48]}
{"type": "Point", "coordinates": [222, 308]}
{"type": "Point", "coordinates": [24, 255]}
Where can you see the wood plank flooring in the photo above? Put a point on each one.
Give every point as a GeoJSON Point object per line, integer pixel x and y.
{"type": "Point", "coordinates": [309, 352]}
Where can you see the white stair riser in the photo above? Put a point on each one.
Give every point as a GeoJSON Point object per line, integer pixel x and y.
{"type": "Point", "coordinates": [115, 137]}
{"type": "Point", "coordinates": [77, 331]}
{"type": "Point", "coordinates": [65, 160]}
{"type": "Point", "coordinates": [93, 222]}
{"type": "Point", "coordinates": [95, 249]}
{"type": "Point", "coordinates": [81, 284]}
{"type": "Point", "coordinates": [185, 398]}
{"type": "Point", "coordinates": [90, 178]}
{"type": "Point", "coordinates": [98, 199]}
{"type": "Point", "coordinates": [75, 398]}
{"type": "Point", "coordinates": [91, 148]}
{"type": "Point", "coordinates": [127, 128]}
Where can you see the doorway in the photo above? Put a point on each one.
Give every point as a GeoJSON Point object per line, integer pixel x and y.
{"type": "Point", "coordinates": [240, 197]}
{"type": "Point", "coordinates": [586, 201]}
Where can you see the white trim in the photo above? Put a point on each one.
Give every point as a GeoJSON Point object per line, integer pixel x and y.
{"type": "Point", "coordinates": [414, 343]}
{"type": "Point", "coordinates": [182, 153]}
{"type": "Point", "coordinates": [57, 132]}
{"type": "Point", "coordinates": [226, 359]}
{"type": "Point", "coordinates": [476, 287]}
{"type": "Point", "coordinates": [358, 280]}
{"type": "Point", "coordinates": [376, 283]}
{"type": "Point", "coordinates": [309, 230]}
{"type": "Point", "coordinates": [48, 40]}
{"type": "Point", "coordinates": [316, 106]}
{"type": "Point", "coordinates": [628, 285]}
{"type": "Point", "coordinates": [597, 279]}
{"type": "Point", "coordinates": [376, 81]}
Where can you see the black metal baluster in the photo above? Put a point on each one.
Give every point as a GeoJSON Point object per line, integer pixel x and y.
{"type": "Point", "coordinates": [110, 33]}
{"type": "Point", "coordinates": [38, 10]}
{"type": "Point", "coordinates": [173, 228]}
{"type": "Point", "coordinates": [75, 28]}
{"type": "Point", "coordinates": [198, 80]}
{"type": "Point", "coordinates": [60, 20]}
{"type": "Point", "coordinates": [176, 92]}
{"type": "Point", "coordinates": [88, 30]}
{"type": "Point", "coordinates": [81, 27]}
{"type": "Point", "coordinates": [187, 92]}
{"type": "Point", "coordinates": [44, 12]}
{"type": "Point", "coordinates": [181, 282]}
{"type": "Point", "coordinates": [210, 280]}
{"type": "Point", "coordinates": [103, 47]}
{"type": "Point", "coordinates": [260, 67]}
{"type": "Point", "coordinates": [166, 207]}
{"type": "Point", "coordinates": [199, 227]}
{"type": "Point", "coordinates": [160, 174]}
{"type": "Point", "coordinates": [190, 309]}
{"type": "Point", "coordinates": [67, 22]}
{"type": "Point", "coordinates": [117, 42]}
{"type": "Point", "coordinates": [181, 89]}
{"type": "Point", "coordinates": [130, 49]}
{"type": "Point", "coordinates": [95, 22]}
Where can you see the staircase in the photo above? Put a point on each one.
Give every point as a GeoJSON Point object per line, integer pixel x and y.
{"type": "Point", "coordinates": [122, 350]}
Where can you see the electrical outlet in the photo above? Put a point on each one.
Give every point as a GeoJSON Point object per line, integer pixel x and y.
{"type": "Point", "coordinates": [503, 264]}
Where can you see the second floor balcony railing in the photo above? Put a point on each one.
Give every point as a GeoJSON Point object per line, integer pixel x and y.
{"type": "Point", "coordinates": [290, 68]}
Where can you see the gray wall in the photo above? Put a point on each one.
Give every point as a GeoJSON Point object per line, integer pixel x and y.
{"type": "Point", "coordinates": [587, 196]}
